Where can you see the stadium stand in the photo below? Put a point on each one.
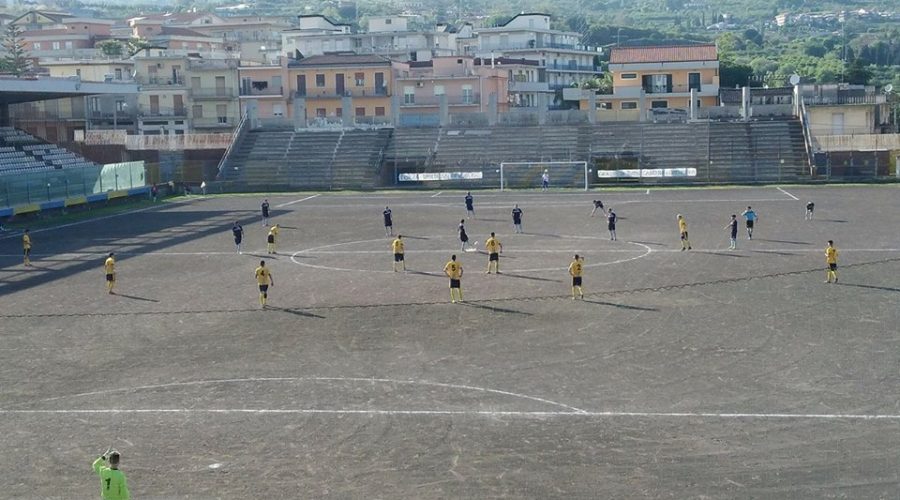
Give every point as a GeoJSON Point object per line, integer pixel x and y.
{"type": "Point", "coordinates": [756, 151]}
{"type": "Point", "coordinates": [22, 152]}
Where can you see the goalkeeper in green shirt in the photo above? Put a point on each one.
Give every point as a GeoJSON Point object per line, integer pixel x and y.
{"type": "Point", "coordinates": [112, 480]}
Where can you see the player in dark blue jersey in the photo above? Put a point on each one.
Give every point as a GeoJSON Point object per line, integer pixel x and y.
{"type": "Point", "coordinates": [611, 219]}
{"type": "Point", "coordinates": [470, 206]}
{"type": "Point", "coordinates": [733, 227]}
{"type": "Point", "coordinates": [388, 222]}
{"type": "Point", "coordinates": [517, 219]}
{"type": "Point", "coordinates": [238, 232]}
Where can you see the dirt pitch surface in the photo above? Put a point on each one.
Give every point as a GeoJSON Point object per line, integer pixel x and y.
{"type": "Point", "coordinates": [704, 373]}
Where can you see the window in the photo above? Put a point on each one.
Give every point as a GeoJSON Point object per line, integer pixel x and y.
{"type": "Point", "coordinates": [320, 112]}
{"type": "Point", "coordinates": [78, 72]}
{"type": "Point", "coordinates": [629, 105]}
{"type": "Point", "coordinates": [118, 73]}
{"type": "Point", "coordinates": [409, 95]}
{"type": "Point", "coordinates": [387, 21]}
{"type": "Point", "coordinates": [439, 90]}
{"type": "Point", "coordinates": [659, 104]}
{"type": "Point", "coordinates": [693, 81]}
{"type": "Point", "coordinates": [379, 110]}
{"type": "Point", "coordinates": [277, 110]}
{"type": "Point", "coordinates": [222, 113]}
{"type": "Point", "coordinates": [360, 111]}
{"type": "Point", "coordinates": [629, 76]}
{"type": "Point", "coordinates": [36, 45]}
{"type": "Point", "coordinates": [68, 45]}
{"type": "Point", "coordinates": [360, 79]}
{"type": "Point", "coordinates": [468, 97]}
{"type": "Point", "coordinates": [338, 112]}
{"type": "Point", "coordinates": [320, 80]}
{"type": "Point", "coordinates": [604, 105]}
{"type": "Point", "coordinates": [55, 45]}
{"type": "Point", "coordinates": [197, 111]}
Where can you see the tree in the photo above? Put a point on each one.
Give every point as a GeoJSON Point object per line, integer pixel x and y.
{"type": "Point", "coordinates": [16, 59]}
{"type": "Point", "coordinates": [110, 48]}
{"type": "Point", "coordinates": [733, 74]}
{"type": "Point", "coordinates": [135, 45]}
{"type": "Point", "coordinates": [857, 73]}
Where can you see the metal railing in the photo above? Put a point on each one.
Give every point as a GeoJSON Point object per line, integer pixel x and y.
{"type": "Point", "coordinates": [38, 186]}
{"type": "Point", "coordinates": [347, 92]}
{"type": "Point", "coordinates": [221, 93]}
{"type": "Point", "coordinates": [236, 137]}
{"type": "Point", "coordinates": [275, 91]}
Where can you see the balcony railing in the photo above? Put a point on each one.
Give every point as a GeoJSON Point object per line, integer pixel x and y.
{"type": "Point", "coordinates": [528, 86]}
{"type": "Point", "coordinates": [534, 44]}
{"type": "Point", "coordinates": [162, 113]}
{"type": "Point", "coordinates": [572, 67]}
{"type": "Point", "coordinates": [217, 93]}
{"type": "Point", "coordinates": [473, 100]}
{"type": "Point", "coordinates": [215, 122]}
{"type": "Point", "coordinates": [822, 100]}
{"type": "Point", "coordinates": [677, 89]}
{"type": "Point", "coordinates": [273, 91]}
{"type": "Point", "coordinates": [160, 80]}
{"type": "Point", "coordinates": [318, 93]}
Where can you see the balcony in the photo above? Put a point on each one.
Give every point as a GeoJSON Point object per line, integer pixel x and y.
{"type": "Point", "coordinates": [151, 113]}
{"type": "Point", "coordinates": [572, 67]}
{"type": "Point", "coordinates": [217, 93]}
{"type": "Point", "coordinates": [830, 100]}
{"type": "Point", "coordinates": [160, 81]}
{"type": "Point", "coordinates": [216, 122]}
{"type": "Point", "coordinates": [266, 92]}
{"type": "Point", "coordinates": [435, 101]}
{"type": "Point", "coordinates": [528, 87]}
{"type": "Point", "coordinates": [681, 89]}
{"type": "Point", "coordinates": [536, 44]}
{"type": "Point", "coordinates": [319, 93]}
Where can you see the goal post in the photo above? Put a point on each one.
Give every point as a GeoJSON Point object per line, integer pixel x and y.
{"type": "Point", "coordinates": [529, 174]}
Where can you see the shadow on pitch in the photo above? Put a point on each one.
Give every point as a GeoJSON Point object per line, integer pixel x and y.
{"type": "Point", "coordinates": [871, 287]}
{"type": "Point", "coordinates": [295, 312]}
{"type": "Point", "coordinates": [534, 278]}
{"type": "Point", "coordinates": [134, 297]}
{"type": "Point", "coordinates": [720, 254]}
{"type": "Point", "coordinates": [839, 221]}
{"type": "Point", "coordinates": [773, 252]}
{"type": "Point", "coordinates": [495, 309]}
{"type": "Point", "coordinates": [788, 242]}
{"type": "Point", "coordinates": [426, 273]}
{"type": "Point", "coordinates": [543, 234]}
{"type": "Point", "coordinates": [414, 237]}
{"type": "Point", "coordinates": [649, 243]}
{"type": "Point", "coordinates": [621, 306]}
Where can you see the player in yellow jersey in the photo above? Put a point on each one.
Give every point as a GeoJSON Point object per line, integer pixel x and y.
{"type": "Point", "coordinates": [576, 268]}
{"type": "Point", "coordinates": [494, 248]}
{"type": "Point", "coordinates": [110, 267]}
{"type": "Point", "coordinates": [26, 247]}
{"type": "Point", "coordinates": [270, 239]}
{"type": "Point", "coordinates": [682, 228]}
{"type": "Point", "coordinates": [831, 259]}
{"type": "Point", "coordinates": [112, 481]}
{"type": "Point", "coordinates": [454, 271]}
{"type": "Point", "coordinates": [264, 279]}
{"type": "Point", "coordinates": [397, 248]}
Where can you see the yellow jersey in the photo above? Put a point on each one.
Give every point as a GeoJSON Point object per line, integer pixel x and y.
{"type": "Point", "coordinates": [575, 269]}
{"type": "Point", "coordinates": [397, 246]}
{"type": "Point", "coordinates": [492, 245]}
{"type": "Point", "coordinates": [110, 265]}
{"type": "Point", "coordinates": [26, 242]}
{"type": "Point", "coordinates": [831, 255]}
{"type": "Point", "coordinates": [273, 232]}
{"type": "Point", "coordinates": [682, 225]}
{"type": "Point", "coordinates": [453, 269]}
{"type": "Point", "coordinates": [263, 276]}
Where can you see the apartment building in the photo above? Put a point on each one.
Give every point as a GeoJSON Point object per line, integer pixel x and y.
{"type": "Point", "coordinates": [324, 82]}
{"type": "Point", "coordinates": [466, 83]}
{"type": "Point", "coordinates": [386, 36]}
{"type": "Point", "coordinates": [265, 85]}
{"type": "Point", "coordinates": [71, 37]}
{"type": "Point", "coordinates": [562, 60]}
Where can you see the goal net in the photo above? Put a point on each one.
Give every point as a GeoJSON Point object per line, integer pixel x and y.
{"type": "Point", "coordinates": [530, 174]}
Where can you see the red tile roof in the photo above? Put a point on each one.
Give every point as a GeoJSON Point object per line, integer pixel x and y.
{"type": "Point", "coordinates": [659, 54]}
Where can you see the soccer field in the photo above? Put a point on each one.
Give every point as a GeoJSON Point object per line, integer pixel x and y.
{"type": "Point", "coordinates": [705, 373]}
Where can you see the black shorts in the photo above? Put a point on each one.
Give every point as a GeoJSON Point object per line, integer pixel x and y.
{"type": "Point", "coordinates": [271, 239]}
{"type": "Point", "coordinates": [684, 235]}
{"type": "Point", "coordinates": [388, 223]}
{"type": "Point", "coordinates": [494, 256]}
{"type": "Point", "coordinates": [611, 227]}
{"type": "Point", "coordinates": [576, 280]}
{"type": "Point", "coordinates": [263, 288]}
{"type": "Point", "coordinates": [110, 277]}
{"type": "Point", "coordinates": [833, 267]}
{"type": "Point", "coordinates": [517, 222]}
{"type": "Point", "coordinates": [470, 208]}
{"type": "Point", "coordinates": [750, 224]}
{"type": "Point", "coordinates": [265, 215]}
{"type": "Point", "coordinates": [463, 237]}
{"type": "Point", "coordinates": [454, 283]}
{"type": "Point", "coordinates": [26, 251]}
{"type": "Point", "coordinates": [237, 241]}
{"type": "Point", "coordinates": [398, 257]}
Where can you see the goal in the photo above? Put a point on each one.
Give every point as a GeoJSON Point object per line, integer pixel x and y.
{"type": "Point", "coordinates": [528, 174]}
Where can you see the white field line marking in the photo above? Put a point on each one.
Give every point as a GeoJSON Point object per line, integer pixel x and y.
{"type": "Point", "coordinates": [648, 192]}
{"type": "Point", "coordinates": [298, 201]}
{"type": "Point", "coordinates": [789, 194]}
{"type": "Point", "coordinates": [473, 413]}
{"type": "Point", "coordinates": [435, 195]}
{"type": "Point", "coordinates": [250, 253]}
{"type": "Point", "coordinates": [571, 409]}
{"type": "Point", "coordinates": [481, 206]}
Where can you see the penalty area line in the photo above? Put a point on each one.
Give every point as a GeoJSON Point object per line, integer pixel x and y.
{"type": "Point", "coordinates": [789, 194]}
{"type": "Point", "coordinates": [298, 201]}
